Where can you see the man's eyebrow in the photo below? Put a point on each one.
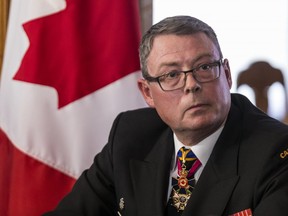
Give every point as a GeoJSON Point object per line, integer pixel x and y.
{"type": "Point", "coordinates": [175, 63]}
{"type": "Point", "coordinates": [202, 56]}
{"type": "Point", "coordinates": [169, 64]}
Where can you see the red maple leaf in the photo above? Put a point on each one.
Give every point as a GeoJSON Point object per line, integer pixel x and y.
{"type": "Point", "coordinates": [82, 48]}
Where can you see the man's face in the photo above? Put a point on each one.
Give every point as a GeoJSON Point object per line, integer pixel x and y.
{"type": "Point", "coordinates": [197, 106]}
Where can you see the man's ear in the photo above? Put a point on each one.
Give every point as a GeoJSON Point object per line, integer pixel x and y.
{"type": "Point", "coordinates": [227, 72]}
{"type": "Point", "coordinates": [144, 88]}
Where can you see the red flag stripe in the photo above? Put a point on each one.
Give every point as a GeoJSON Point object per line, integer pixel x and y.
{"type": "Point", "coordinates": [28, 183]}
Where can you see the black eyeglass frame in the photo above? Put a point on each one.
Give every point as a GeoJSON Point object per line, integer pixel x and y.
{"type": "Point", "coordinates": [193, 70]}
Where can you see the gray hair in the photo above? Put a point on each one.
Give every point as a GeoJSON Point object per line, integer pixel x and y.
{"type": "Point", "coordinates": [177, 25]}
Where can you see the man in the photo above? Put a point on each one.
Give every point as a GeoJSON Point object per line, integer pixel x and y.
{"type": "Point", "coordinates": [240, 152]}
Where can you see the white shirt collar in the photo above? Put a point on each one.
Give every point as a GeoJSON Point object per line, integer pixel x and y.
{"type": "Point", "coordinates": [202, 150]}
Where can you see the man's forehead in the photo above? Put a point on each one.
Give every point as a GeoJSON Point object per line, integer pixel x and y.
{"type": "Point", "coordinates": [168, 47]}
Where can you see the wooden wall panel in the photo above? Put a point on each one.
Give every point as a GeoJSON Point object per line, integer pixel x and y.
{"type": "Point", "coordinates": [146, 12]}
{"type": "Point", "coordinates": [4, 8]}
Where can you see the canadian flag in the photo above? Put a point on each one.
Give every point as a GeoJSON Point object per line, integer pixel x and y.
{"type": "Point", "coordinates": [69, 68]}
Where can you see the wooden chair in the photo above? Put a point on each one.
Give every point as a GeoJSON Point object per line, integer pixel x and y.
{"type": "Point", "coordinates": [259, 77]}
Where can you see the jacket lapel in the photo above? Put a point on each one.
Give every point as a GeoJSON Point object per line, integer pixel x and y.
{"type": "Point", "coordinates": [211, 194]}
{"type": "Point", "coordinates": [220, 175]}
{"type": "Point", "coordinates": [150, 177]}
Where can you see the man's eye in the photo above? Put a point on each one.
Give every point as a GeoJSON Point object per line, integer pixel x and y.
{"type": "Point", "coordinates": [205, 67]}
{"type": "Point", "coordinates": [173, 74]}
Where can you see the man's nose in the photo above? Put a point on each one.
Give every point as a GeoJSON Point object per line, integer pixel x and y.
{"type": "Point", "coordinates": [191, 84]}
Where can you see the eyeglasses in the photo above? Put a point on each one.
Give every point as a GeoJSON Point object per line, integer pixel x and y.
{"type": "Point", "coordinates": [176, 79]}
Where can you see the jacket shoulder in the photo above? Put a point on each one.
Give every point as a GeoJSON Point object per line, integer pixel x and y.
{"type": "Point", "coordinates": [253, 118]}
{"type": "Point", "coordinates": [142, 126]}
{"type": "Point", "coordinates": [136, 120]}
